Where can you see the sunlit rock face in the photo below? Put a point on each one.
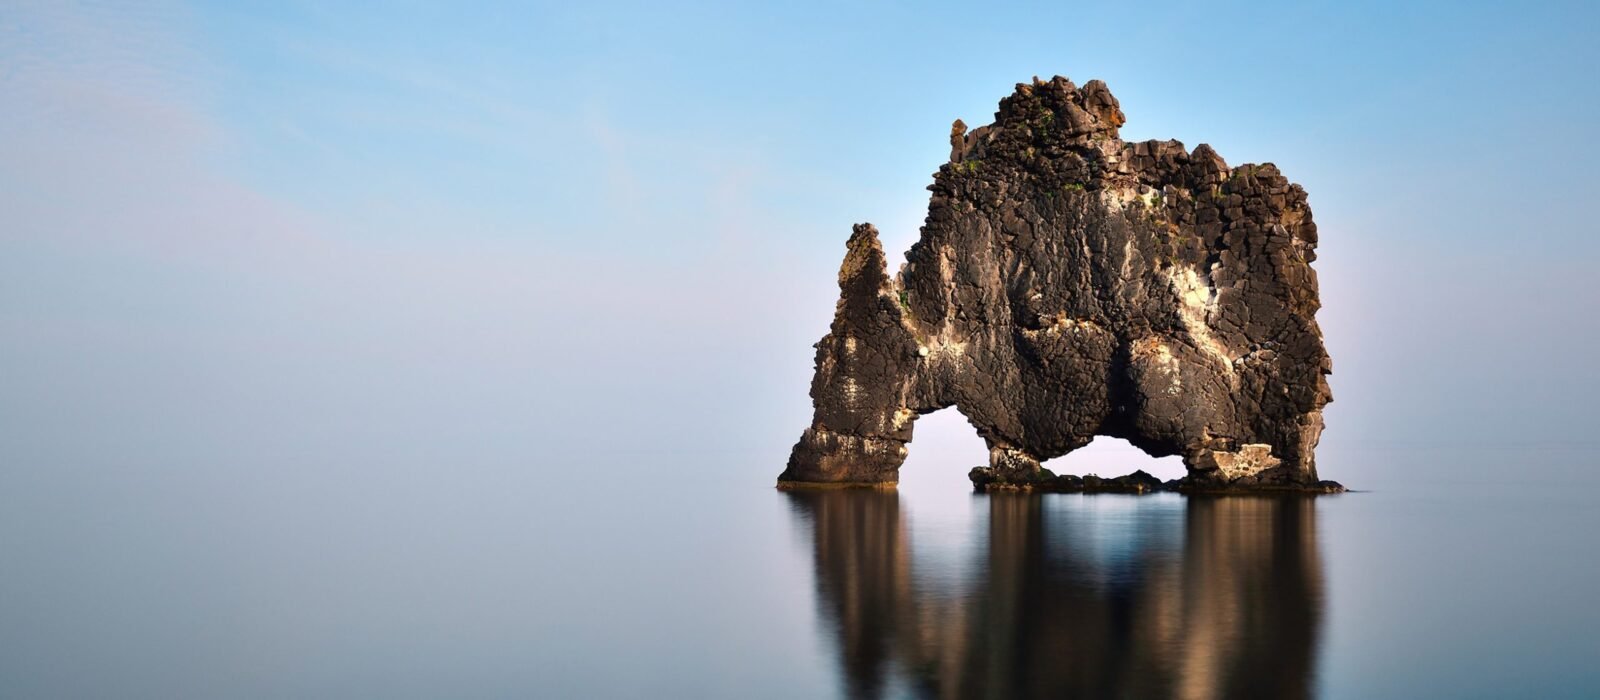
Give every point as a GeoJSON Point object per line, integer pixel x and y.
{"type": "Point", "coordinates": [1067, 285]}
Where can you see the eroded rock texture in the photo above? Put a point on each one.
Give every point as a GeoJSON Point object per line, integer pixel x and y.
{"type": "Point", "coordinates": [1067, 285]}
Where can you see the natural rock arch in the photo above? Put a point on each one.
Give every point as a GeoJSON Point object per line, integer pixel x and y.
{"type": "Point", "coordinates": [1066, 285]}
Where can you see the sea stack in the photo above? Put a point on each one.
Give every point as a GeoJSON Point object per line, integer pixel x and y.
{"type": "Point", "coordinates": [1068, 284]}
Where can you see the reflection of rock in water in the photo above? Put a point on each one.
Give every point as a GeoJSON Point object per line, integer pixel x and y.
{"type": "Point", "coordinates": [1228, 607]}
{"type": "Point", "coordinates": [863, 574]}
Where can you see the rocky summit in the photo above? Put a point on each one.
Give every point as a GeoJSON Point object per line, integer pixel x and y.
{"type": "Point", "coordinates": [1068, 284]}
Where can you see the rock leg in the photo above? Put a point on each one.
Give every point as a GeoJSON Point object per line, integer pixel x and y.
{"type": "Point", "coordinates": [865, 367]}
{"type": "Point", "coordinates": [1010, 467]}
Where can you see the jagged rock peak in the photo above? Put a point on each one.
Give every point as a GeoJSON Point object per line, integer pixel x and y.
{"type": "Point", "coordinates": [1067, 285]}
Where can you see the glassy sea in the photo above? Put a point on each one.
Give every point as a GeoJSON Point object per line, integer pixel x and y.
{"type": "Point", "coordinates": [648, 582]}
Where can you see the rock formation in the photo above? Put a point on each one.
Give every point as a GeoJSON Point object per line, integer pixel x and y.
{"type": "Point", "coordinates": [1067, 285]}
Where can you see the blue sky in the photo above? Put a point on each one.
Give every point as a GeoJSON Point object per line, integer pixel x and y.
{"type": "Point", "coordinates": [284, 232]}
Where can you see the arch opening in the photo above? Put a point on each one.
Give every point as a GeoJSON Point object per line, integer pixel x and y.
{"type": "Point", "coordinates": [945, 448]}
{"type": "Point", "coordinates": [1112, 457]}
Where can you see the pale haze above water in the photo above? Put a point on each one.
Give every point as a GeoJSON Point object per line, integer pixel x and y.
{"type": "Point", "coordinates": [442, 352]}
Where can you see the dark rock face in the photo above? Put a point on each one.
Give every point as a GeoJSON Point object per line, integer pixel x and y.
{"type": "Point", "coordinates": [1068, 285]}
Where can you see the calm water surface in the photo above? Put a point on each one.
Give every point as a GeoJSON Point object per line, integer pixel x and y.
{"type": "Point", "coordinates": [496, 581]}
